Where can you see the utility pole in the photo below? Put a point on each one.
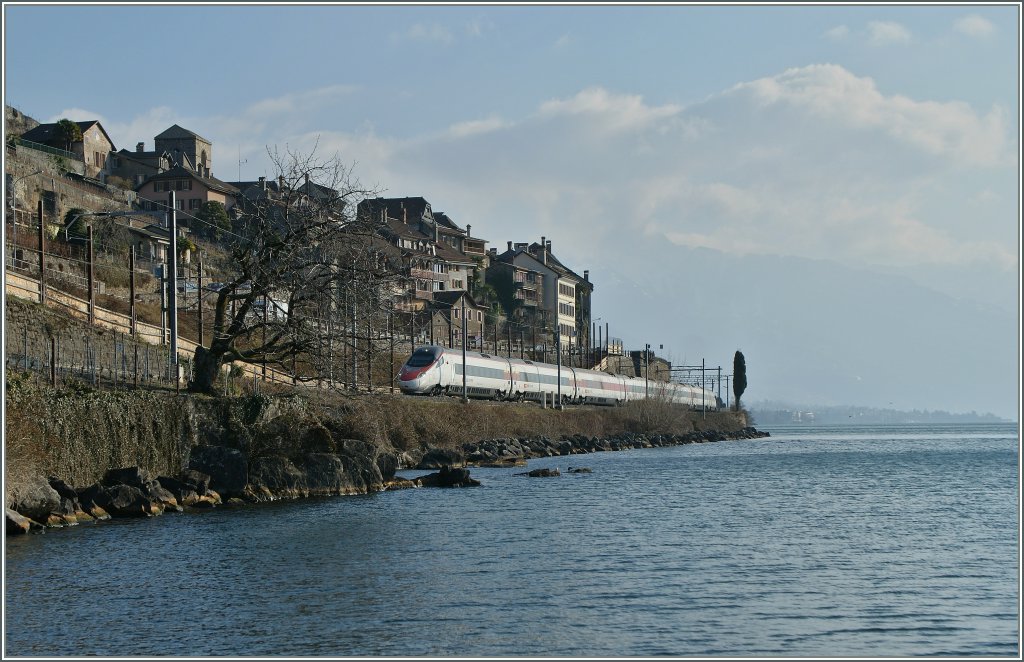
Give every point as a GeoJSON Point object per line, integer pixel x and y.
{"type": "Point", "coordinates": [558, 354]}
{"type": "Point", "coordinates": [647, 369]}
{"type": "Point", "coordinates": [465, 392]}
{"type": "Point", "coordinates": [92, 279]}
{"type": "Point", "coordinates": [199, 294]}
{"type": "Point", "coordinates": [703, 397]}
{"type": "Point", "coordinates": [42, 256]}
{"type": "Point", "coordinates": [172, 217]}
{"type": "Point", "coordinates": [131, 288]}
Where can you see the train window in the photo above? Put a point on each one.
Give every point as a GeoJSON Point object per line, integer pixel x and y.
{"type": "Point", "coordinates": [422, 357]}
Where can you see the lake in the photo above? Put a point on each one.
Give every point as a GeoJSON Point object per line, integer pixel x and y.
{"type": "Point", "coordinates": [817, 541]}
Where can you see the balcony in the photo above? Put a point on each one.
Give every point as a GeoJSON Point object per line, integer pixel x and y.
{"type": "Point", "coordinates": [474, 247]}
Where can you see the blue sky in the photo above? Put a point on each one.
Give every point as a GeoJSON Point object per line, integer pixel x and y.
{"type": "Point", "coordinates": [872, 137]}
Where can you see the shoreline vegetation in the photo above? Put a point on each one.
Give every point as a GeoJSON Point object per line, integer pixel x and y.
{"type": "Point", "coordinates": [75, 454]}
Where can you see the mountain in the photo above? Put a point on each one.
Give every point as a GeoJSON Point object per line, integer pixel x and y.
{"type": "Point", "coordinates": [813, 331]}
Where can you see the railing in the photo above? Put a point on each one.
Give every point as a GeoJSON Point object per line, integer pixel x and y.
{"type": "Point", "coordinates": [46, 148]}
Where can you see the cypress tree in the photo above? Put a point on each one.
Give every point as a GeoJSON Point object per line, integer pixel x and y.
{"type": "Point", "coordinates": [739, 377]}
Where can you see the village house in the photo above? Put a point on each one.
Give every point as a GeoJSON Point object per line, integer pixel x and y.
{"type": "Point", "coordinates": [93, 149]}
{"type": "Point", "coordinates": [138, 166]}
{"type": "Point", "coordinates": [440, 256]}
{"type": "Point", "coordinates": [191, 189]}
{"type": "Point", "coordinates": [553, 295]}
{"type": "Point", "coordinates": [446, 321]}
{"type": "Point", "coordinates": [187, 148]}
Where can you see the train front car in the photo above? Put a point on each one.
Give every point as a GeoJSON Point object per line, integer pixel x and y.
{"type": "Point", "coordinates": [421, 374]}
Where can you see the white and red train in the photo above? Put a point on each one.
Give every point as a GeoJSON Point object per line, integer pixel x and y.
{"type": "Point", "coordinates": [434, 370]}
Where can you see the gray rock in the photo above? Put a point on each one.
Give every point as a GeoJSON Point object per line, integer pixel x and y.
{"type": "Point", "coordinates": [118, 500]}
{"type": "Point", "coordinates": [438, 458]}
{"type": "Point", "coordinates": [448, 477]}
{"type": "Point", "coordinates": [226, 468]}
{"type": "Point", "coordinates": [540, 473]}
{"type": "Point", "coordinates": [17, 524]}
{"type": "Point", "coordinates": [34, 498]}
{"type": "Point", "coordinates": [279, 476]}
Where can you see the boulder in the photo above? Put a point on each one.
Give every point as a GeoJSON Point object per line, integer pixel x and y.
{"type": "Point", "coordinates": [225, 466]}
{"type": "Point", "coordinates": [361, 464]}
{"type": "Point", "coordinates": [448, 477]}
{"type": "Point", "coordinates": [18, 524]}
{"type": "Point", "coordinates": [69, 505]}
{"type": "Point", "coordinates": [396, 483]}
{"type": "Point", "coordinates": [325, 474]}
{"type": "Point", "coordinates": [145, 481]}
{"type": "Point", "coordinates": [540, 473]}
{"type": "Point", "coordinates": [118, 501]}
{"type": "Point", "coordinates": [278, 476]}
{"type": "Point", "coordinates": [34, 498]}
{"type": "Point", "coordinates": [438, 458]}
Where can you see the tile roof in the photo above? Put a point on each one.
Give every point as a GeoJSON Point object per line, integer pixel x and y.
{"type": "Point", "coordinates": [178, 172]}
{"type": "Point", "coordinates": [46, 133]}
{"type": "Point", "coordinates": [175, 132]}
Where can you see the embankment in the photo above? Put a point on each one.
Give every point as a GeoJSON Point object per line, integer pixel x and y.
{"type": "Point", "coordinates": [74, 453]}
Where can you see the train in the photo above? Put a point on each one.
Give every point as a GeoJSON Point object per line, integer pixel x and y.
{"type": "Point", "coordinates": [436, 370]}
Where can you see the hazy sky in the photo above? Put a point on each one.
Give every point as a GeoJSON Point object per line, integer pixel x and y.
{"type": "Point", "coordinates": [874, 137]}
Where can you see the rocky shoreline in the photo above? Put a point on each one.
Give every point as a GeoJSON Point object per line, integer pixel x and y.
{"type": "Point", "coordinates": [218, 476]}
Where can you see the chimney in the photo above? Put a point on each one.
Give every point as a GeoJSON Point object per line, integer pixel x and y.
{"type": "Point", "coordinates": [510, 245]}
{"type": "Point", "coordinates": [405, 216]}
{"type": "Point", "coordinates": [280, 183]}
{"type": "Point", "coordinates": [437, 233]}
{"type": "Point", "coordinates": [544, 250]}
{"type": "Point", "coordinates": [140, 147]}
{"type": "Point", "coordinates": [263, 183]}
{"type": "Point", "coordinates": [468, 228]}
{"type": "Point", "coordinates": [586, 275]}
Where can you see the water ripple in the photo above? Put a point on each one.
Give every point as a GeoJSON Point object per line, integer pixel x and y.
{"type": "Point", "coordinates": [859, 542]}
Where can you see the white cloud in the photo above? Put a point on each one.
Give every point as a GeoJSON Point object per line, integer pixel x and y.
{"type": "Point", "coordinates": [831, 93]}
{"type": "Point", "coordinates": [887, 32]}
{"type": "Point", "coordinates": [617, 111]}
{"type": "Point", "coordinates": [463, 129]}
{"type": "Point", "coordinates": [564, 41]}
{"type": "Point", "coordinates": [814, 162]}
{"type": "Point", "coordinates": [78, 115]}
{"type": "Point", "coordinates": [838, 33]}
{"type": "Point", "coordinates": [477, 27]}
{"type": "Point", "coordinates": [974, 26]}
{"type": "Point", "coordinates": [427, 33]}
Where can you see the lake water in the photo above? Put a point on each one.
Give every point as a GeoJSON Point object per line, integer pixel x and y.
{"type": "Point", "coordinates": [852, 541]}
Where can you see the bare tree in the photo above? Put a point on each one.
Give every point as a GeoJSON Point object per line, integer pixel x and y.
{"type": "Point", "coordinates": [309, 276]}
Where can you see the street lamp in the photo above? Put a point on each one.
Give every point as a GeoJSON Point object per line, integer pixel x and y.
{"type": "Point", "coordinates": [14, 205]}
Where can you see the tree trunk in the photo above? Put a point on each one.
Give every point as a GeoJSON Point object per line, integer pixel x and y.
{"type": "Point", "coordinates": [205, 370]}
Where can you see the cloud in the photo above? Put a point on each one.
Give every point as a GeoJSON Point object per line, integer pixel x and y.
{"type": "Point", "coordinates": [463, 129]}
{"type": "Point", "coordinates": [477, 27]}
{"type": "Point", "coordinates": [77, 115]}
{"type": "Point", "coordinates": [615, 111]}
{"type": "Point", "coordinates": [974, 26]}
{"type": "Point", "coordinates": [812, 162]}
{"type": "Point", "coordinates": [887, 32]}
{"type": "Point", "coordinates": [426, 33]}
{"type": "Point", "coordinates": [838, 33]}
{"type": "Point", "coordinates": [832, 93]}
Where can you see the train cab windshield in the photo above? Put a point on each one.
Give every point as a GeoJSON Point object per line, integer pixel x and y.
{"type": "Point", "coordinates": [423, 356]}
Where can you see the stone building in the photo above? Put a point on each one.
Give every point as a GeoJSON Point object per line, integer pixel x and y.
{"type": "Point", "coordinates": [93, 149]}
{"type": "Point", "coordinates": [187, 148]}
